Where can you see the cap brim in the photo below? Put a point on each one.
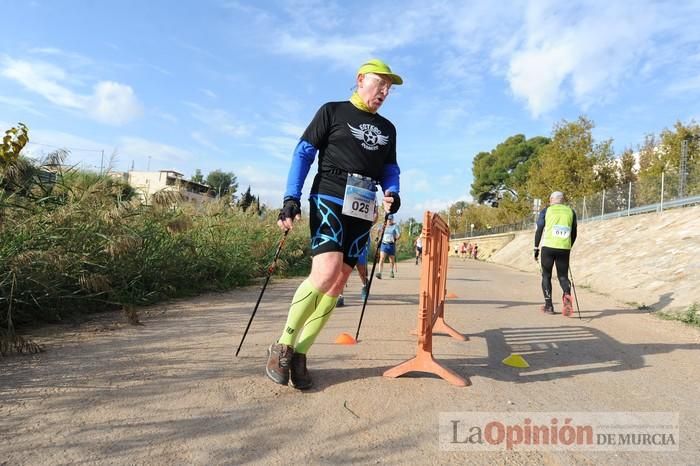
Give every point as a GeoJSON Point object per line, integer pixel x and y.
{"type": "Point", "coordinates": [395, 78]}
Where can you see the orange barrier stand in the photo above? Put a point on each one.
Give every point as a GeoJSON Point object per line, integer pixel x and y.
{"type": "Point", "coordinates": [431, 306]}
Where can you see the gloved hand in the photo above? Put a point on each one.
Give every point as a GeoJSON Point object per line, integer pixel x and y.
{"type": "Point", "coordinates": [394, 204]}
{"type": "Point", "coordinates": [290, 211]}
{"type": "Point", "coordinates": [537, 253]}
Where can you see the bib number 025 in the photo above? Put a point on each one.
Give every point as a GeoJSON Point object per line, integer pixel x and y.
{"type": "Point", "coordinates": [362, 207]}
{"type": "Point", "coordinates": [360, 199]}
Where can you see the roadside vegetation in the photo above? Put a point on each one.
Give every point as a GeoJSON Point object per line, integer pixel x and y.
{"type": "Point", "coordinates": [690, 316]}
{"type": "Point", "coordinates": [75, 242]}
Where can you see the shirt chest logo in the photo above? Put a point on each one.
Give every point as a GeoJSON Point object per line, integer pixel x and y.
{"type": "Point", "coordinates": [370, 136]}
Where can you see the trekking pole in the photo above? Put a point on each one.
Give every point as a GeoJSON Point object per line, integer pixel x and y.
{"type": "Point", "coordinates": [267, 279]}
{"type": "Point", "coordinates": [573, 287]}
{"type": "Point", "coordinates": [371, 275]}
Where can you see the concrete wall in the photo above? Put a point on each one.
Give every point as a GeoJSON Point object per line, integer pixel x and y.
{"type": "Point", "coordinates": [488, 244]}
{"type": "Point", "coordinates": [651, 259]}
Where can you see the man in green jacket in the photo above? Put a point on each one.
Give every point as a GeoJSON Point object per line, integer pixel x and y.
{"type": "Point", "coordinates": [556, 230]}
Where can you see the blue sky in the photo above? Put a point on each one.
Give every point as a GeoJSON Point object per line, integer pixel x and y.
{"type": "Point", "coordinates": [231, 85]}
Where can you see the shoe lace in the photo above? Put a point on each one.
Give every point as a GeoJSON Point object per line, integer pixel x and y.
{"type": "Point", "coordinates": [285, 356]}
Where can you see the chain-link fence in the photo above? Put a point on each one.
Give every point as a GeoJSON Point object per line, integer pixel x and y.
{"type": "Point", "coordinates": [665, 191]}
{"type": "Point", "coordinates": [671, 188]}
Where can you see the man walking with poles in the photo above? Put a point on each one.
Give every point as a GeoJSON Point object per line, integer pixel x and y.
{"type": "Point", "coordinates": [556, 230]}
{"type": "Point", "coordinates": [356, 152]}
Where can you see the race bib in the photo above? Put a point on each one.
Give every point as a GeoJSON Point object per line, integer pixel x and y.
{"type": "Point", "coordinates": [561, 231]}
{"type": "Point", "coordinates": [359, 200]}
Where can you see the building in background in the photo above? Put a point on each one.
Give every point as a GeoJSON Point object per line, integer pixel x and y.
{"type": "Point", "coordinates": [148, 183]}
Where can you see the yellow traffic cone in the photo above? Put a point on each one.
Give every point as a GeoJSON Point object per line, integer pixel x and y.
{"type": "Point", "coordinates": [515, 360]}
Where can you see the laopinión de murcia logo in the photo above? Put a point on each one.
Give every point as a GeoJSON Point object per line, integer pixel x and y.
{"type": "Point", "coordinates": [370, 136]}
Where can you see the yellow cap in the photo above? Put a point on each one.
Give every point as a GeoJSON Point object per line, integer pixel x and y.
{"type": "Point", "coordinates": [377, 66]}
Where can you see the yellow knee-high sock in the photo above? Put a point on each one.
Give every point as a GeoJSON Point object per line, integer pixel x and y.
{"type": "Point", "coordinates": [306, 300]}
{"type": "Point", "coordinates": [314, 324]}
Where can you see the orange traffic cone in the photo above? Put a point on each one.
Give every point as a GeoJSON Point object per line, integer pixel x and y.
{"type": "Point", "coordinates": [345, 339]}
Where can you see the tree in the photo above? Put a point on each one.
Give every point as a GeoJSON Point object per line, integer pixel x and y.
{"type": "Point", "coordinates": [572, 162]}
{"type": "Point", "coordinates": [222, 183]}
{"type": "Point", "coordinates": [505, 168]}
{"type": "Point", "coordinates": [650, 167]}
{"type": "Point", "coordinates": [626, 168]}
{"type": "Point", "coordinates": [246, 200]}
{"type": "Point", "coordinates": [198, 177]}
{"type": "Point", "coordinates": [662, 155]}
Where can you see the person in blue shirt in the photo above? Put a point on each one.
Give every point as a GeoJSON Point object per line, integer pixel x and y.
{"type": "Point", "coordinates": [392, 233]}
{"type": "Point", "coordinates": [356, 149]}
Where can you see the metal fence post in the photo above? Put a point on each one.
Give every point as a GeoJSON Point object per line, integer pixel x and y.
{"type": "Point", "coordinates": [629, 199]}
{"type": "Point", "coordinates": [661, 204]}
{"type": "Point", "coordinates": [602, 206]}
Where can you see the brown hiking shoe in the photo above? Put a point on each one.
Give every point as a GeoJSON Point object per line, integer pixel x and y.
{"type": "Point", "coordinates": [301, 379]}
{"type": "Point", "coordinates": [279, 359]}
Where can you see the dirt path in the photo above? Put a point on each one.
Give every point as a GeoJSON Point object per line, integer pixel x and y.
{"type": "Point", "coordinates": [172, 392]}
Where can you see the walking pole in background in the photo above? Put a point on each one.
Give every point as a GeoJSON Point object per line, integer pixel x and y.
{"type": "Point", "coordinates": [573, 288]}
{"type": "Point", "coordinates": [371, 275]}
{"type": "Point", "coordinates": [267, 279]}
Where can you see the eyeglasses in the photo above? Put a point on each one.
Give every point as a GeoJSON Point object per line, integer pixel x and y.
{"type": "Point", "coordinates": [382, 84]}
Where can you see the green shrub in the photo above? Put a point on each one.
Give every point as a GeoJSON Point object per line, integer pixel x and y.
{"type": "Point", "coordinates": [86, 244]}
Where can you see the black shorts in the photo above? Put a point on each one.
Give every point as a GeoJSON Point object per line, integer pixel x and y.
{"type": "Point", "coordinates": [333, 231]}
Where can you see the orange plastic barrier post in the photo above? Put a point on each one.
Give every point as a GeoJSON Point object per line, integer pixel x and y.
{"type": "Point", "coordinates": [431, 307]}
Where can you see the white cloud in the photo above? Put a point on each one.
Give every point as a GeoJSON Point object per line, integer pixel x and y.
{"type": "Point", "coordinates": [112, 103]}
{"type": "Point", "coordinates": [268, 184]}
{"type": "Point", "coordinates": [577, 51]}
{"type": "Point", "coordinates": [43, 78]}
{"type": "Point", "coordinates": [205, 142]}
{"type": "Point", "coordinates": [209, 93]}
{"type": "Point", "coordinates": [221, 121]}
{"type": "Point", "coordinates": [417, 180]}
{"type": "Point", "coordinates": [139, 148]}
{"type": "Point", "coordinates": [339, 49]}
{"type": "Point", "coordinates": [75, 59]}
{"type": "Point", "coordinates": [690, 84]}
{"type": "Point", "coordinates": [290, 129]}
{"type": "Point", "coordinates": [437, 204]}
{"type": "Point", "coordinates": [21, 104]}
{"type": "Point", "coordinates": [280, 147]}
{"type": "Point", "coordinates": [169, 117]}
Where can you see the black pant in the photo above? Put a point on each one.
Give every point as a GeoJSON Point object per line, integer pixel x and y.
{"type": "Point", "coordinates": [549, 257]}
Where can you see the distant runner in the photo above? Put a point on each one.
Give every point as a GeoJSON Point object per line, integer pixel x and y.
{"type": "Point", "coordinates": [556, 229]}
{"type": "Point", "coordinates": [419, 248]}
{"type": "Point", "coordinates": [388, 248]}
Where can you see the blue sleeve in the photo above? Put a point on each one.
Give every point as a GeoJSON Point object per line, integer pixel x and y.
{"type": "Point", "coordinates": [540, 227]}
{"type": "Point", "coordinates": [390, 178]}
{"type": "Point", "coordinates": [303, 157]}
